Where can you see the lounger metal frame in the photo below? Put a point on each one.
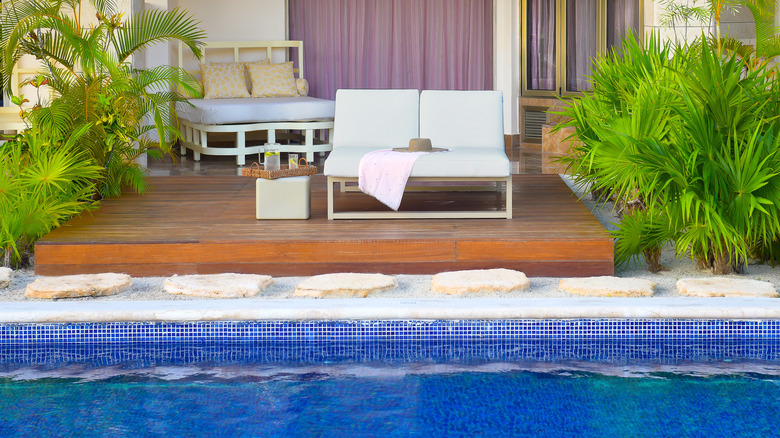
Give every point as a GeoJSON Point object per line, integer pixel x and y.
{"type": "Point", "coordinates": [389, 214]}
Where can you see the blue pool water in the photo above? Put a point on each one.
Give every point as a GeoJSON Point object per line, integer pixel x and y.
{"type": "Point", "coordinates": [388, 402]}
{"type": "Point", "coordinates": [588, 377]}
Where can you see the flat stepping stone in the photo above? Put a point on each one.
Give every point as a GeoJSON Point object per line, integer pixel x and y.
{"type": "Point", "coordinates": [725, 287]}
{"type": "Point", "coordinates": [607, 286]}
{"type": "Point", "coordinates": [217, 285]}
{"type": "Point", "coordinates": [479, 280]}
{"type": "Point", "coordinates": [5, 277]}
{"type": "Point", "coordinates": [77, 286]}
{"type": "Point", "coordinates": [344, 285]}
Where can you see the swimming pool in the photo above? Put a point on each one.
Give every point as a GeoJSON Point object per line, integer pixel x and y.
{"type": "Point", "coordinates": [587, 377]}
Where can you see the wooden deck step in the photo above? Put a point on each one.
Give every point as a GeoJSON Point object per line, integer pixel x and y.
{"type": "Point", "coordinates": [206, 224]}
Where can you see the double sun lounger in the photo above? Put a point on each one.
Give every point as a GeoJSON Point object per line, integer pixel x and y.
{"type": "Point", "coordinates": [468, 123]}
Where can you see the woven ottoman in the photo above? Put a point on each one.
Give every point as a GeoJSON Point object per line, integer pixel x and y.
{"type": "Point", "coordinates": [283, 198]}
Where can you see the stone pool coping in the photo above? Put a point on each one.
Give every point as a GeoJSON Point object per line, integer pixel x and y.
{"type": "Point", "coordinates": [389, 309]}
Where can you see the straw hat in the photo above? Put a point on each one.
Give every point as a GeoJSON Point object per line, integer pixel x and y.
{"type": "Point", "coordinates": [420, 145]}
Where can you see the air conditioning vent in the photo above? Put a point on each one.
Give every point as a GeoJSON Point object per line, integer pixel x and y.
{"type": "Point", "coordinates": [533, 120]}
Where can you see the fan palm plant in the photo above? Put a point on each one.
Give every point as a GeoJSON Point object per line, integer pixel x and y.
{"type": "Point", "coordinates": [767, 44]}
{"type": "Point", "coordinates": [90, 72]}
{"type": "Point", "coordinates": [695, 136]}
{"type": "Point", "coordinates": [44, 180]}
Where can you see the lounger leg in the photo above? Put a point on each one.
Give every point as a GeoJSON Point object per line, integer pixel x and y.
{"type": "Point", "coordinates": [330, 199]}
{"type": "Point", "coordinates": [272, 136]}
{"type": "Point", "coordinates": [240, 148]}
{"type": "Point", "coordinates": [509, 190]}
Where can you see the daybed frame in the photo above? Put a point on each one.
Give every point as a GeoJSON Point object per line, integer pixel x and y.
{"type": "Point", "coordinates": [195, 135]}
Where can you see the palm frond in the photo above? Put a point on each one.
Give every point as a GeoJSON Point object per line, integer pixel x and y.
{"type": "Point", "coordinates": [152, 26]}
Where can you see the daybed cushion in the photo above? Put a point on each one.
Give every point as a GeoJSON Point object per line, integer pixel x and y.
{"type": "Point", "coordinates": [224, 80]}
{"type": "Point", "coordinates": [272, 80]}
{"type": "Point", "coordinates": [466, 162]}
{"type": "Point", "coordinates": [269, 109]}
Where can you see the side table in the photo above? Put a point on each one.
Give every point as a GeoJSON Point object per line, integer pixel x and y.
{"type": "Point", "coordinates": [283, 198]}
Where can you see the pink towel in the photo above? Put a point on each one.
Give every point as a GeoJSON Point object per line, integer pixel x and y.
{"type": "Point", "coordinates": [383, 174]}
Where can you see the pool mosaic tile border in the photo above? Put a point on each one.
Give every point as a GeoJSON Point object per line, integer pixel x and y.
{"type": "Point", "coordinates": [144, 355]}
{"type": "Point", "coordinates": [403, 330]}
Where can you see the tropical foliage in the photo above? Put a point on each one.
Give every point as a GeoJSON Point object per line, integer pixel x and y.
{"type": "Point", "coordinates": [44, 180]}
{"type": "Point", "coordinates": [684, 12]}
{"type": "Point", "coordinates": [103, 114]}
{"type": "Point", "coordinates": [88, 68]}
{"type": "Point", "coordinates": [694, 134]}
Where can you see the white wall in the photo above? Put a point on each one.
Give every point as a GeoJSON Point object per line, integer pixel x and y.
{"type": "Point", "coordinates": [224, 20]}
{"type": "Point", "coordinates": [680, 33]}
{"type": "Point", "coordinates": [506, 59]}
{"type": "Point", "coordinates": [240, 20]}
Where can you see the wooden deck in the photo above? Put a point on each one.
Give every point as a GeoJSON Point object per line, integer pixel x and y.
{"type": "Point", "coordinates": [206, 224]}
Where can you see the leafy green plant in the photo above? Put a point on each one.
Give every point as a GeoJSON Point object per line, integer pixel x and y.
{"type": "Point", "coordinates": [767, 47]}
{"type": "Point", "coordinates": [44, 180]}
{"type": "Point", "coordinates": [129, 111]}
{"type": "Point", "coordinates": [695, 136]}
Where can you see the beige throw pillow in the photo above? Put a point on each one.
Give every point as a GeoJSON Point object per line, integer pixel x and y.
{"type": "Point", "coordinates": [223, 80]}
{"type": "Point", "coordinates": [272, 80]}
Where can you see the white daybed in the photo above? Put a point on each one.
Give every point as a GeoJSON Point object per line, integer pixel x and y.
{"type": "Point", "coordinates": [302, 119]}
{"type": "Point", "coordinates": [468, 123]}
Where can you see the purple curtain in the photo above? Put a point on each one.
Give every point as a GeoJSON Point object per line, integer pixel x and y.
{"type": "Point", "coordinates": [541, 45]}
{"type": "Point", "coordinates": [622, 15]}
{"type": "Point", "coordinates": [581, 42]}
{"type": "Point", "coordinates": [423, 44]}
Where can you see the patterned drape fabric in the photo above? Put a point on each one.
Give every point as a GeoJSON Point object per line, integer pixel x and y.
{"type": "Point", "coordinates": [423, 44]}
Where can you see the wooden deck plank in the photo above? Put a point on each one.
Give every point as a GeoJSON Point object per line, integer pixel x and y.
{"type": "Point", "coordinates": [190, 224]}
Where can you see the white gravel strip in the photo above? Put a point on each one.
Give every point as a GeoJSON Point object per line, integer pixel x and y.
{"type": "Point", "coordinates": [390, 309]}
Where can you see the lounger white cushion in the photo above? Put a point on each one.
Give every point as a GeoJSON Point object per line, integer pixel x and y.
{"type": "Point", "coordinates": [453, 119]}
{"type": "Point", "coordinates": [463, 162]}
{"type": "Point", "coordinates": [256, 110]}
{"type": "Point", "coordinates": [377, 118]}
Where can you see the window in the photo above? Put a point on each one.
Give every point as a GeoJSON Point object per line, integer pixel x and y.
{"type": "Point", "coordinates": [561, 37]}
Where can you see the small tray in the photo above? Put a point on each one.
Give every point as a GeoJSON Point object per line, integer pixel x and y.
{"type": "Point", "coordinates": [258, 171]}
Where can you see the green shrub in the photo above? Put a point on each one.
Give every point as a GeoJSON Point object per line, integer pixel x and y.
{"type": "Point", "coordinates": [43, 182]}
{"type": "Point", "coordinates": [90, 71]}
{"type": "Point", "coordinates": [694, 135]}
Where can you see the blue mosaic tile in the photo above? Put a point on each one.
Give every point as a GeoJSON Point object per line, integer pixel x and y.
{"type": "Point", "coordinates": [220, 342]}
{"type": "Point", "coordinates": [338, 331]}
